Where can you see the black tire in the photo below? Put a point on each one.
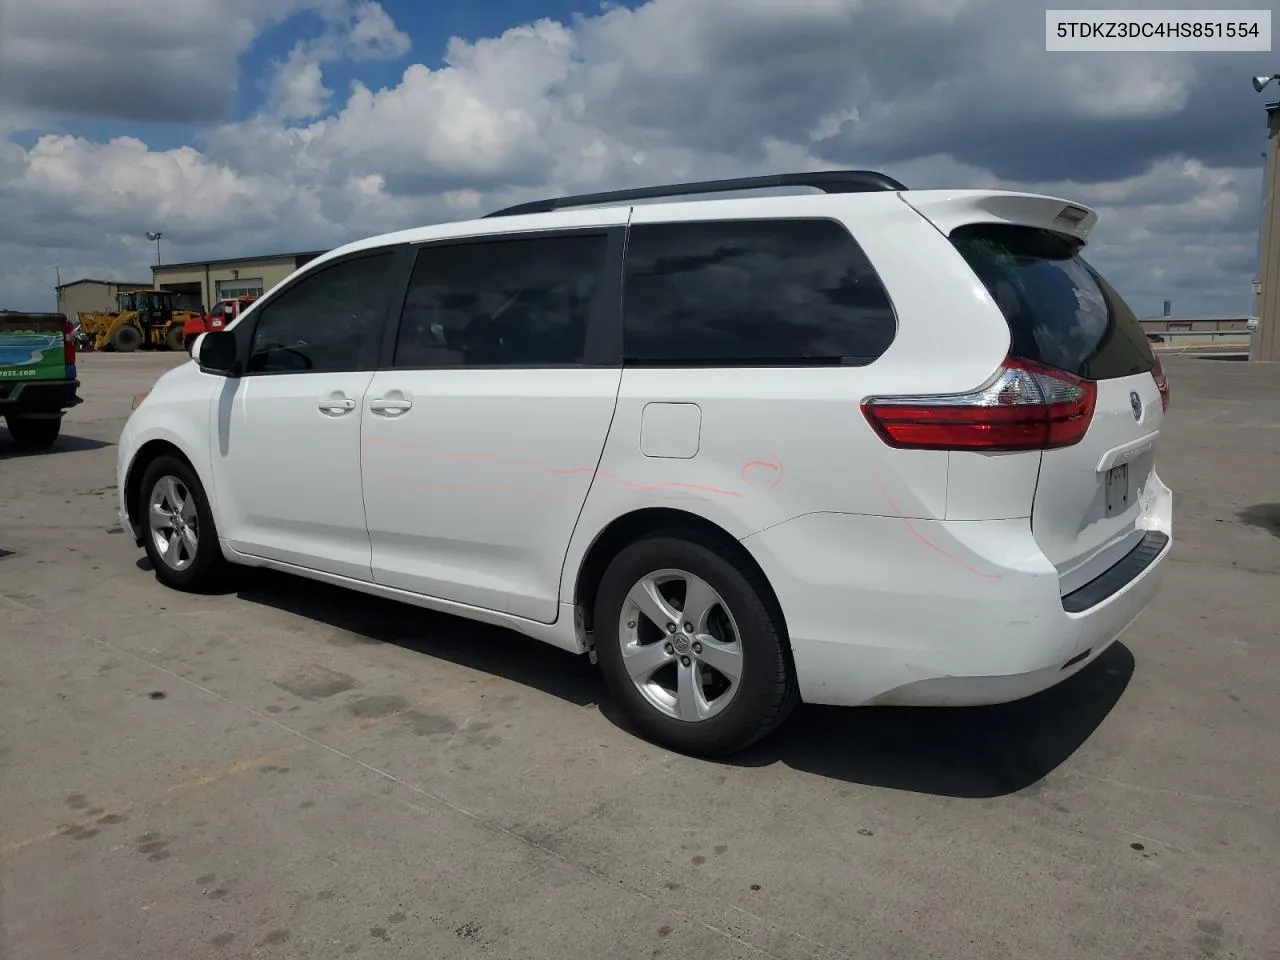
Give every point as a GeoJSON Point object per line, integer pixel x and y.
{"type": "Point", "coordinates": [33, 433]}
{"type": "Point", "coordinates": [208, 568]}
{"type": "Point", "coordinates": [126, 338]}
{"type": "Point", "coordinates": [766, 691]}
{"type": "Point", "coordinates": [173, 339]}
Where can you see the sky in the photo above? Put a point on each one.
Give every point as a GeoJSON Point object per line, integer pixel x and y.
{"type": "Point", "coordinates": [243, 127]}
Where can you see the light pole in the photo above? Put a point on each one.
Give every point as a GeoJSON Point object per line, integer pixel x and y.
{"type": "Point", "coordinates": [156, 237]}
{"type": "Point", "coordinates": [1265, 342]}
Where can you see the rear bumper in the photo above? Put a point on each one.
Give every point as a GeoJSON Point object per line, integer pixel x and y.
{"type": "Point", "coordinates": [38, 396]}
{"type": "Point", "coordinates": [884, 610]}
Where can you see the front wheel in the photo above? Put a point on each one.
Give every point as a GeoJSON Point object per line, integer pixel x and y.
{"type": "Point", "coordinates": [692, 645]}
{"type": "Point", "coordinates": [33, 433]}
{"type": "Point", "coordinates": [126, 338]}
{"type": "Point", "coordinates": [180, 537]}
{"type": "Point", "coordinates": [174, 339]}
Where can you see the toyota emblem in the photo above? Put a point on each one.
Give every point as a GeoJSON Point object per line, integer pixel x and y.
{"type": "Point", "coordinates": [1135, 402]}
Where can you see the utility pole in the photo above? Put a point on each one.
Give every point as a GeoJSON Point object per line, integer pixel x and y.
{"type": "Point", "coordinates": [1265, 342]}
{"type": "Point", "coordinates": [156, 237]}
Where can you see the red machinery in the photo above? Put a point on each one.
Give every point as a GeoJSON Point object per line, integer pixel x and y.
{"type": "Point", "coordinates": [223, 312]}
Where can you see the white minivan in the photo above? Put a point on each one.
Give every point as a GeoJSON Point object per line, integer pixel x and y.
{"type": "Point", "coordinates": [861, 445]}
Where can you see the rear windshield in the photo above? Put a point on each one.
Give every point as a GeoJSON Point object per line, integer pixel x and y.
{"type": "Point", "coordinates": [1061, 312]}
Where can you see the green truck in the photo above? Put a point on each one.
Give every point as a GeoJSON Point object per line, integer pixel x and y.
{"type": "Point", "coordinates": [37, 376]}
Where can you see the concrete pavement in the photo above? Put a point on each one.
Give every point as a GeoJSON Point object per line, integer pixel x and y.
{"type": "Point", "coordinates": [291, 771]}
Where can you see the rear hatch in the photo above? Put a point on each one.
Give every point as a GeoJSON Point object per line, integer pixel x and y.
{"type": "Point", "coordinates": [1064, 315]}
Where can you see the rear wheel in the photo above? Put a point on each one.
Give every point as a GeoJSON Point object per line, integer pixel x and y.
{"type": "Point", "coordinates": [33, 433]}
{"type": "Point", "coordinates": [692, 645]}
{"type": "Point", "coordinates": [126, 338]}
{"type": "Point", "coordinates": [173, 339]}
{"type": "Point", "coordinates": [180, 537]}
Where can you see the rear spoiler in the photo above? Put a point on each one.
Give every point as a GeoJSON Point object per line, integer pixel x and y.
{"type": "Point", "coordinates": [948, 209]}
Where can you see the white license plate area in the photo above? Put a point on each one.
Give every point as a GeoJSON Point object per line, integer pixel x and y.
{"type": "Point", "coordinates": [1117, 489]}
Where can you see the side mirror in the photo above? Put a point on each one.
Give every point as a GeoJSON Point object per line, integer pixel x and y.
{"type": "Point", "coordinates": [217, 352]}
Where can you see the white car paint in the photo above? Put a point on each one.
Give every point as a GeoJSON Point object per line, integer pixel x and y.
{"type": "Point", "coordinates": [904, 576]}
{"type": "Point", "coordinates": [472, 492]}
{"type": "Point", "coordinates": [284, 453]}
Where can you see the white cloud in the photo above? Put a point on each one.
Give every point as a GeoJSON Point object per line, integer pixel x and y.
{"type": "Point", "coordinates": [959, 93]}
{"type": "Point", "coordinates": [297, 89]}
{"type": "Point", "coordinates": [362, 31]}
{"type": "Point", "coordinates": [832, 123]}
{"type": "Point", "coordinates": [374, 34]}
{"type": "Point", "coordinates": [127, 184]}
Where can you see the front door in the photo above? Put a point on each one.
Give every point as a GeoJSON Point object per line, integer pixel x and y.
{"type": "Point", "coordinates": [482, 441]}
{"type": "Point", "coordinates": [286, 447]}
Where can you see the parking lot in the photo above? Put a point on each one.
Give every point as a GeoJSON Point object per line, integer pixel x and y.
{"type": "Point", "coordinates": [288, 770]}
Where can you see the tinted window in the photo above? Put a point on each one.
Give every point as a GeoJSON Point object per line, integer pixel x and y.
{"type": "Point", "coordinates": [747, 291]}
{"type": "Point", "coordinates": [502, 302]}
{"type": "Point", "coordinates": [1060, 310]}
{"type": "Point", "coordinates": [328, 321]}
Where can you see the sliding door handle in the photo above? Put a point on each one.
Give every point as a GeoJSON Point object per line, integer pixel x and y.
{"type": "Point", "coordinates": [390, 406]}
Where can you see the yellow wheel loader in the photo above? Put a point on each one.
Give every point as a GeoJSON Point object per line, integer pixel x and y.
{"type": "Point", "coordinates": [143, 319]}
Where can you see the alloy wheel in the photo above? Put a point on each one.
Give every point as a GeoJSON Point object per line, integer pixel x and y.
{"type": "Point", "coordinates": [680, 645]}
{"type": "Point", "coordinates": [174, 523]}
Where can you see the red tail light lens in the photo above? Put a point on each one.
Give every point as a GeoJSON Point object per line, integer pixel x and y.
{"type": "Point", "coordinates": [1025, 406]}
{"type": "Point", "coordinates": [68, 344]}
{"type": "Point", "coordinates": [1162, 382]}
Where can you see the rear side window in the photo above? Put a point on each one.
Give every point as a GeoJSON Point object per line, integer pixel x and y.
{"type": "Point", "coordinates": [503, 302]}
{"type": "Point", "coordinates": [742, 292]}
{"type": "Point", "coordinates": [1061, 312]}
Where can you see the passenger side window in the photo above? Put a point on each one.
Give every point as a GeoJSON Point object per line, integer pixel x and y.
{"type": "Point", "coordinates": [503, 302]}
{"type": "Point", "coordinates": [328, 322]}
{"type": "Point", "coordinates": [740, 292]}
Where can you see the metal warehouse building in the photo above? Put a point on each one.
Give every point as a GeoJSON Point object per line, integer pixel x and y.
{"type": "Point", "coordinates": [202, 283]}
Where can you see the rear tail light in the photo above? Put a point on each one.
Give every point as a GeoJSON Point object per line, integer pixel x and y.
{"type": "Point", "coordinates": [68, 344]}
{"type": "Point", "coordinates": [1025, 406]}
{"type": "Point", "coordinates": [1162, 382]}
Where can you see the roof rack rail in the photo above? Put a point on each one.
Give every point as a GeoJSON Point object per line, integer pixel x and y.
{"type": "Point", "coordinates": [828, 181]}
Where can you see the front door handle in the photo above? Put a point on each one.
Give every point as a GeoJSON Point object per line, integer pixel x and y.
{"type": "Point", "coordinates": [336, 404]}
{"type": "Point", "coordinates": [392, 405]}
